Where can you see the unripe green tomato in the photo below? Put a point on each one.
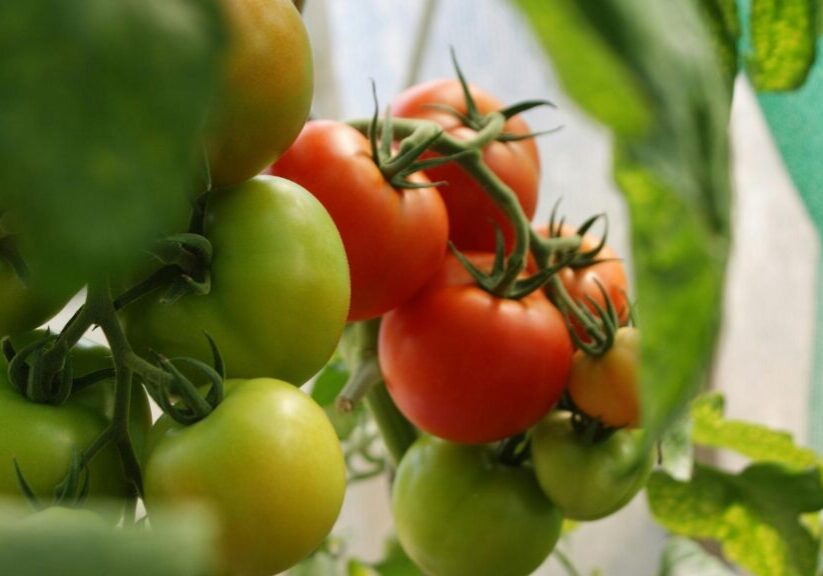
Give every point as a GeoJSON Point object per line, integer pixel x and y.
{"type": "Point", "coordinates": [266, 462]}
{"type": "Point", "coordinates": [588, 480]}
{"type": "Point", "coordinates": [43, 438]}
{"type": "Point", "coordinates": [460, 512]}
{"type": "Point", "coordinates": [279, 288]}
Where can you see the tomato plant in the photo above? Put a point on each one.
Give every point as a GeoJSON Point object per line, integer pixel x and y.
{"type": "Point", "coordinates": [279, 287]}
{"type": "Point", "coordinates": [606, 387]}
{"type": "Point", "coordinates": [468, 366]}
{"type": "Point", "coordinates": [473, 217]}
{"type": "Point", "coordinates": [44, 438]}
{"type": "Point", "coordinates": [395, 238]}
{"type": "Point", "coordinates": [266, 461]}
{"type": "Point", "coordinates": [588, 479]}
{"type": "Point", "coordinates": [458, 511]}
{"type": "Point", "coordinates": [266, 92]}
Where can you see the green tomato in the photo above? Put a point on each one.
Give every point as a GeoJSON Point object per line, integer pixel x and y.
{"type": "Point", "coordinates": [588, 480]}
{"type": "Point", "coordinates": [25, 306]}
{"type": "Point", "coordinates": [44, 437]}
{"type": "Point", "coordinates": [279, 287]}
{"type": "Point", "coordinates": [460, 512]}
{"type": "Point", "coordinates": [266, 462]}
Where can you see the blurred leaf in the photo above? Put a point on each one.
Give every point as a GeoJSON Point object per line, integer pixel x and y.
{"type": "Point", "coordinates": [100, 117]}
{"type": "Point", "coordinates": [321, 563]}
{"type": "Point", "coordinates": [783, 36]}
{"type": "Point", "coordinates": [671, 161]}
{"type": "Point", "coordinates": [70, 543]}
{"type": "Point", "coordinates": [677, 450]}
{"type": "Point", "coordinates": [752, 440]}
{"type": "Point", "coordinates": [755, 515]}
{"type": "Point", "coordinates": [723, 24]}
{"type": "Point", "coordinates": [684, 557]}
{"type": "Point", "coordinates": [330, 382]}
{"type": "Point", "coordinates": [395, 562]}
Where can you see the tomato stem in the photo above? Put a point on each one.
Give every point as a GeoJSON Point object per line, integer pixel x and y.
{"type": "Point", "coordinates": [100, 294]}
{"type": "Point", "coordinates": [359, 348]}
{"type": "Point", "coordinates": [468, 153]}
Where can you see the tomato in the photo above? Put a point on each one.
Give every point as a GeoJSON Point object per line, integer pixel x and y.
{"type": "Point", "coordinates": [458, 511]}
{"type": "Point", "coordinates": [266, 92]}
{"type": "Point", "coordinates": [470, 367]}
{"type": "Point", "coordinates": [395, 239]}
{"type": "Point", "coordinates": [582, 283]}
{"type": "Point", "coordinates": [43, 437]}
{"type": "Point", "coordinates": [266, 461]}
{"type": "Point", "coordinates": [279, 287]}
{"type": "Point", "coordinates": [588, 480]}
{"type": "Point", "coordinates": [472, 215]}
{"type": "Point", "coordinates": [605, 387]}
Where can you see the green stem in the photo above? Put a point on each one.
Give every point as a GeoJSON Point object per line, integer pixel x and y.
{"type": "Point", "coordinates": [472, 162]}
{"type": "Point", "coordinates": [360, 350]}
{"type": "Point", "coordinates": [120, 349]}
{"type": "Point", "coordinates": [397, 432]}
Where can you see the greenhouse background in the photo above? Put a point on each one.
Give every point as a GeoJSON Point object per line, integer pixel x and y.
{"type": "Point", "coordinates": [765, 360]}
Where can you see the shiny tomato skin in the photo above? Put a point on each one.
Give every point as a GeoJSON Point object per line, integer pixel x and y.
{"type": "Point", "coordinates": [606, 387]}
{"type": "Point", "coordinates": [266, 90]}
{"type": "Point", "coordinates": [43, 437]}
{"type": "Point", "coordinates": [472, 215]}
{"type": "Point", "coordinates": [459, 512]}
{"type": "Point", "coordinates": [469, 367]}
{"type": "Point", "coordinates": [588, 481]}
{"type": "Point", "coordinates": [395, 239]}
{"type": "Point", "coordinates": [279, 287]}
{"type": "Point", "coordinates": [266, 462]}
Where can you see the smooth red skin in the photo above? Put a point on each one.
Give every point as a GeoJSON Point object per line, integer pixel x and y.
{"type": "Point", "coordinates": [395, 240]}
{"type": "Point", "coordinates": [469, 367]}
{"type": "Point", "coordinates": [472, 215]}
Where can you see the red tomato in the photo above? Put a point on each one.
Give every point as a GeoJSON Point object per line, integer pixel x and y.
{"type": "Point", "coordinates": [466, 366]}
{"type": "Point", "coordinates": [472, 215]}
{"type": "Point", "coordinates": [395, 239]}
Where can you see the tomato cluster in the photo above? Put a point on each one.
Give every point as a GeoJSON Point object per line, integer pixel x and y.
{"type": "Point", "coordinates": [518, 368]}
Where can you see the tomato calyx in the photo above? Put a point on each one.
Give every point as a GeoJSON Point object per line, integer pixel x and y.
{"type": "Point", "coordinates": [191, 406]}
{"type": "Point", "coordinates": [478, 122]}
{"type": "Point", "coordinates": [185, 269]}
{"type": "Point", "coordinates": [71, 492]}
{"type": "Point", "coordinates": [398, 167]}
{"type": "Point", "coordinates": [496, 281]}
{"type": "Point", "coordinates": [514, 451]}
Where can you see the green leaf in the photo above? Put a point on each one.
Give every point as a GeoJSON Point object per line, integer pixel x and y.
{"type": "Point", "coordinates": [321, 563]}
{"type": "Point", "coordinates": [330, 382]}
{"type": "Point", "coordinates": [755, 515]}
{"type": "Point", "coordinates": [783, 36]}
{"type": "Point", "coordinates": [672, 164]}
{"type": "Point", "coordinates": [100, 117]}
{"type": "Point", "coordinates": [677, 449]}
{"type": "Point", "coordinates": [755, 441]}
{"type": "Point", "coordinates": [723, 24]}
{"type": "Point", "coordinates": [395, 561]}
{"type": "Point", "coordinates": [684, 557]}
{"type": "Point", "coordinates": [66, 542]}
